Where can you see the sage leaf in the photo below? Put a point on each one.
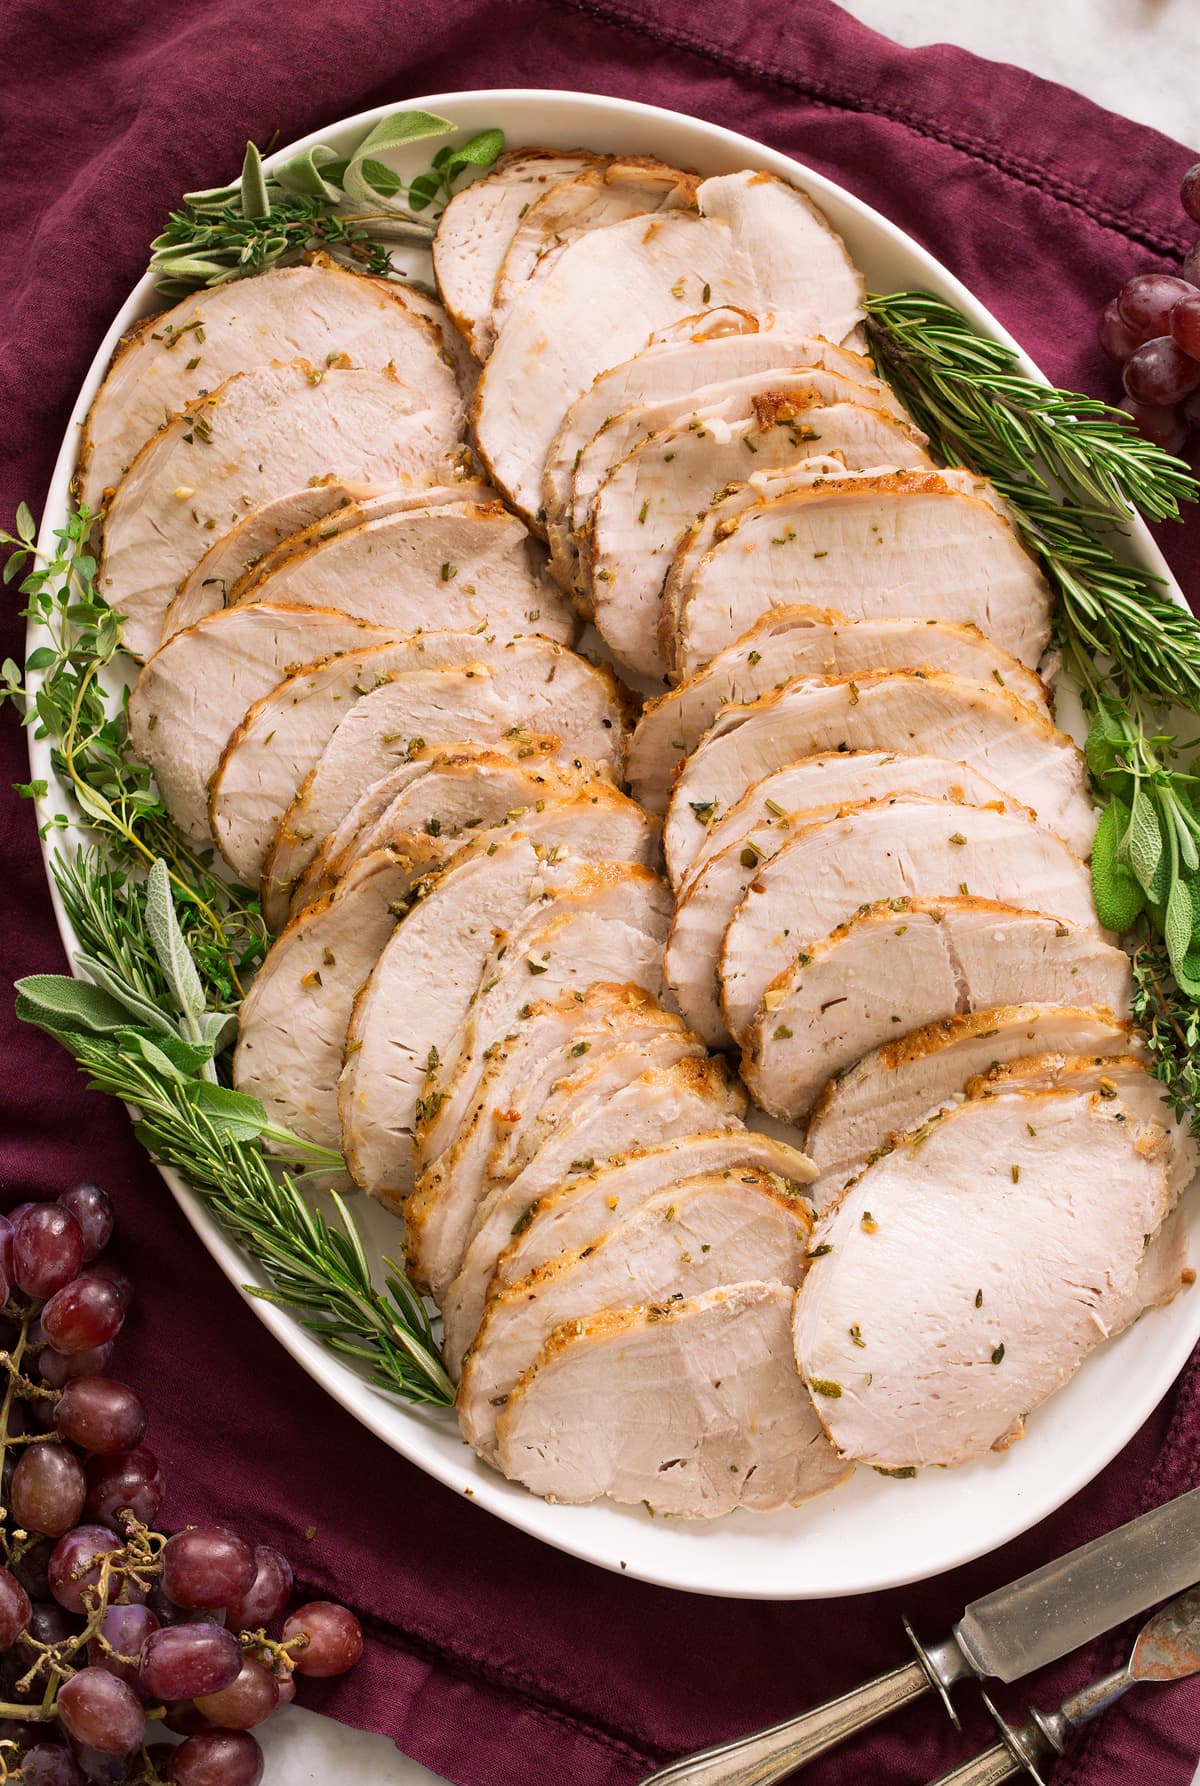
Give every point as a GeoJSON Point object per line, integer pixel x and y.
{"type": "Point", "coordinates": [1145, 849]}
{"type": "Point", "coordinates": [62, 1006]}
{"type": "Point", "coordinates": [255, 202]}
{"type": "Point", "coordinates": [218, 1028]}
{"type": "Point", "coordinates": [481, 151]}
{"type": "Point", "coordinates": [402, 127]}
{"type": "Point", "coordinates": [172, 951]}
{"type": "Point", "coordinates": [189, 1057]}
{"type": "Point", "coordinates": [235, 1113]}
{"type": "Point", "coordinates": [147, 1014]}
{"type": "Point", "coordinates": [1177, 923]}
{"type": "Point", "coordinates": [1107, 740]}
{"type": "Point", "coordinates": [302, 174]}
{"type": "Point", "coordinates": [1115, 890]}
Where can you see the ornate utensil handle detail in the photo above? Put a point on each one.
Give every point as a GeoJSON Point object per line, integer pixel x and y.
{"type": "Point", "coordinates": [995, 1764]}
{"type": "Point", "coordinates": [772, 1754]}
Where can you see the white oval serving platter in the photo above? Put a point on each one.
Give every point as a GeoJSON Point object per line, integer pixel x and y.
{"type": "Point", "coordinates": [872, 1533]}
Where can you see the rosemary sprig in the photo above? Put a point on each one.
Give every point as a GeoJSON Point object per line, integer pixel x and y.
{"type": "Point", "coordinates": [345, 205]}
{"type": "Point", "coordinates": [1071, 468]}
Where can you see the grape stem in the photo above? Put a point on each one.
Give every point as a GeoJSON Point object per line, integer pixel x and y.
{"type": "Point", "coordinates": [12, 1362]}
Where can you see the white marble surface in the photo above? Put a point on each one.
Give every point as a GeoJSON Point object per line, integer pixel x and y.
{"type": "Point", "coordinates": [1138, 57]}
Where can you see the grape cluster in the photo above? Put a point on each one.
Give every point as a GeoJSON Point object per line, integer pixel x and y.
{"type": "Point", "coordinates": [1152, 327]}
{"type": "Point", "coordinates": [106, 1625]}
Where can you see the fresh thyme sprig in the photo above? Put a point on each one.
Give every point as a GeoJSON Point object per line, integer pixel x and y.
{"type": "Point", "coordinates": [346, 205]}
{"type": "Point", "coordinates": [1071, 468]}
{"type": "Point", "coordinates": [157, 1059]}
{"type": "Point", "coordinates": [1170, 1021]}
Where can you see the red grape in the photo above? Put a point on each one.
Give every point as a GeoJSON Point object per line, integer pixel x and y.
{"type": "Point", "coordinates": [335, 1639]}
{"type": "Point", "coordinates": [1191, 264]}
{"type": "Point", "coordinates": [100, 1414]}
{"type": "Point", "coordinates": [48, 1623]}
{"type": "Point", "coordinates": [15, 1610]}
{"type": "Point", "coordinates": [99, 1769]}
{"type": "Point", "coordinates": [49, 1764]}
{"type": "Point", "coordinates": [286, 1682]}
{"type": "Point", "coordinates": [47, 1249]}
{"type": "Point", "coordinates": [92, 1210]}
{"type": "Point", "coordinates": [1189, 192]}
{"type": "Point", "coordinates": [217, 1758]}
{"type": "Point", "coordinates": [82, 1315]}
{"type": "Point", "coordinates": [1165, 425]}
{"type": "Point", "coordinates": [75, 1568]}
{"type": "Point", "coordinates": [32, 1566]}
{"type": "Point", "coordinates": [207, 1566]}
{"type": "Point", "coordinates": [181, 1716]}
{"type": "Point", "coordinates": [1185, 325]}
{"type": "Point", "coordinates": [112, 1274]}
{"type": "Point", "coordinates": [1191, 409]}
{"type": "Point", "coordinates": [131, 1479]}
{"type": "Point", "coordinates": [101, 1711]}
{"type": "Point", "coordinates": [246, 1702]}
{"type": "Point", "coordinates": [266, 1596]}
{"type": "Point", "coordinates": [187, 1660]}
{"type": "Point", "coordinates": [48, 1489]}
{"type": "Point", "coordinates": [170, 1614]}
{"type": "Point", "coordinates": [1160, 372]}
{"type": "Point", "coordinates": [1116, 337]}
{"type": "Point", "coordinates": [1146, 301]}
{"type": "Point", "coordinates": [57, 1368]}
{"type": "Point", "coordinates": [126, 1629]}
{"type": "Point", "coordinates": [6, 1246]}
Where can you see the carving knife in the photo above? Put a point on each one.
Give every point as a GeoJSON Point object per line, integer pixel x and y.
{"type": "Point", "coordinates": [1004, 1635]}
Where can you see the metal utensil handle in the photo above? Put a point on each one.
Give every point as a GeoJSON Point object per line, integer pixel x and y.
{"type": "Point", "coordinates": [995, 1764]}
{"type": "Point", "coordinates": [772, 1754]}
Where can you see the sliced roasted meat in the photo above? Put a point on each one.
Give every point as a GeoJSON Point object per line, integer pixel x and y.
{"type": "Point", "coordinates": [1017, 1225]}
{"type": "Point", "coordinates": [912, 712]}
{"type": "Point", "coordinates": [691, 1408]}
{"type": "Point", "coordinates": [250, 440]}
{"type": "Point", "coordinates": [197, 688]}
{"type": "Point", "coordinates": [906, 963]}
{"type": "Point", "coordinates": [760, 826]}
{"type": "Point", "coordinates": [611, 288]}
{"type": "Point", "coordinates": [443, 794]}
{"type": "Point", "coordinates": [472, 566]}
{"type": "Point", "coordinates": [792, 642]}
{"type": "Point", "coordinates": [275, 531]}
{"type": "Point", "coordinates": [644, 507]}
{"type": "Point", "coordinates": [590, 1203]}
{"type": "Point", "coordinates": [896, 1087]}
{"type": "Point", "coordinates": [292, 1023]}
{"type": "Point", "coordinates": [664, 1101]}
{"type": "Point", "coordinates": [550, 1042]}
{"type": "Point", "coordinates": [629, 187]}
{"type": "Point", "coordinates": [723, 1229]}
{"type": "Point", "coordinates": [700, 352]}
{"type": "Point", "coordinates": [905, 847]}
{"type": "Point", "coordinates": [905, 543]}
{"type": "Point", "coordinates": [317, 312]}
{"type": "Point", "coordinates": [476, 227]}
{"type": "Point", "coordinates": [421, 987]}
{"type": "Point", "coordinates": [354, 718]}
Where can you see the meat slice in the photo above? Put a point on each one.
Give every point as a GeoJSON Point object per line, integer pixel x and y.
{"type": "Point", "coordinates": [922, 712]}
{"type": "Point", "coordinates": [903, 964]}
{"type": "Point", "coordinates": [802, 641]}
{"type": "Point", "coordinates": [610, 289]}
{"type": "Point", "coordinates": [905, 847]}
{"type": "Point", "coordinates": [273, 532]}
{"type": "Point", "coordinates": [591, 1203]}
{"type": "Point", "coordinates": [635, 186]}
{"type": "Point", "coordinates": [701, 351]}
{"type": "Point", "coordinates": [473, 566]}
{"type": "Point", "coordinates": [662, 1102]}
{"type": "Point", "coordinates": [550, 1043]}
{"type": "Point", "coordinates": [477, 225]}
{"type": "Point", "coordinates": [722, 1229]}
{"type": "Point", "coordinates": [292, 1023]}
{"type": "Point", "coordinates": [692, 1408]}
{"type": "Point", "coordinates": [904, 543]}
{"type": "Point", "coordinates": [420, 989]}
{"type": "Point", "coordinates": [252, 439]}
{"type": "Point", "coordinates": [357, 716]}
{"type": "Point", "coordinates": [443, 794]}
{"type": "Point", "coordinates": [1017, 1226]}
{"type": "Point", "coordinates": [197, 688]}
{"type": "Point", "coordinates": [645, 505]}
{"type": "Point", "coordinates": [895, 1088]}
{"type": "Point", "coordinates": [318, 312]}
{"type": "Point", "coordinates": [754, 833]}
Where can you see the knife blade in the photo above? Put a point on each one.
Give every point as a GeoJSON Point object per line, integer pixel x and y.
{"type": "Point", "coordinates": [1006, 1634]}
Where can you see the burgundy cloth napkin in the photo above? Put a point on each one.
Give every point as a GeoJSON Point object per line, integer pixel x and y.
{"type": "Point", "coordinates": [495, 1661]}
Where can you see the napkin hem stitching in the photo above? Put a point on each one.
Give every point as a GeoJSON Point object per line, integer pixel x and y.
{"type": "Point", "coordinates": [979, 148]}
